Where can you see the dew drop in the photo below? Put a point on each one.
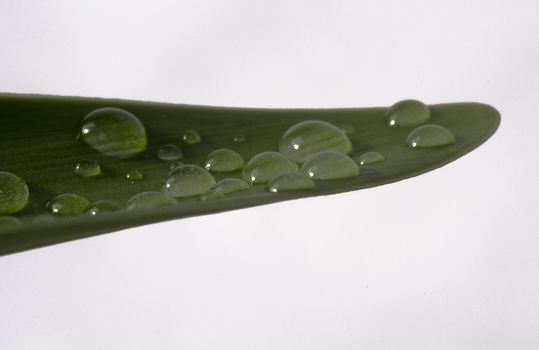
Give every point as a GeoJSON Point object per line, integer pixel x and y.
{"type": "Point", "coordinates": [67, 204]}
{"type": "Point", "coordinates": [134, 176]}
{"type": "Point", "coordinates": [370, 157]}
{"type": "Point", "coordinates": [224, 160]}
{"type": "Point", "coordinates": [102, 206]}
{"type": "Point", "coordinates": [291, 182]}
{"type": "Point", "coordinates": [13, 193]}
{"type": "Point", "coordinates": [239, 139]}
{"type": "Point", "coordinates": [191, 137]}
{"type": "Point", "coordinates": [188, 180]}
{"type": "Point", "coordinates": [169, 153]}
{"type": "Point", "coordinates": [87, 168]}
{"type": "Point", "coordinates": [313, 136]}
{"type": "Point", "coordinates": [265, 166]}
{"type": "Point", "coordinates": [9, 221]}
{"type": "Point", "coordinates": [114, 132]}
{"type": "Point", "coordinates": [430, 135]}
{"type": "Point", "coordinates": [225, 187]}
{"type": "Point", "coordinates": [407, 113]}
{"type": "Point", "coordinates": [150, 199]}
{"type": "Point", "coordinates": [330, 165]}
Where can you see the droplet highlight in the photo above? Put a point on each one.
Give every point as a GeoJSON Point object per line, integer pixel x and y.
{"type": "Point", "coordinates": [223, 160]}
{"type": "Point", "coordinates": [407, 113]}
{"type": "Point", "coordinates": [311, 137]}
{"type": "Point", "coordinates": [102, 206]}
{"type": "Point", "coordinates": [188, 180]}
{"type": "Point", "coordinates": [149, 200]}
{"type": "Point", "coordinates": [291, 182]}
{"type": "Point", "coordinates": [267, 165]}
{"type": "Point", "coordinates": [67, 204]}
{"type": "Point", "coordinates": [114, 132]}
{"type": "Point", "coordinates": [330, 165]}
{"type": "Point", "coordinates": [87, 168]}
{"type": "Point", "coordinates": [370, 158]}
{"type": "Point", "coordinates": [191, 137]}
{"type": "Point", "coordinates": [430, 135]}
{"type": "Point", "coordinates": [169, 153]}
{"type": "Point", "coordinates": [134, 176]}
{"type": "Point", "coordinates": [13, 193]}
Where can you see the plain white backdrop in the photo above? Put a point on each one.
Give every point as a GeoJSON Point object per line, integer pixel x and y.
{"type": "Point", "coordinates": [447, 260]}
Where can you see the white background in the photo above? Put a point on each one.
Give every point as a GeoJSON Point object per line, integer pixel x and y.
{"type": "Point", "coordinates": [447, 260]}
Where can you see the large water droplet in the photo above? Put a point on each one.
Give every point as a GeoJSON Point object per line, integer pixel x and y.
{"type": "Point", "coordinates": [134, 175]}
{"type": "Point", "coordinates": [330, 165]}
{"type": "Point", "coordinates": [225, 187]}
{"type": "Point", "coordinates": [13, 193]}
{"type": "Point", "coordinates": [265, 166]}
{"type": "Point", "coordinates": [188, 180]}
{"type": "Point", "coordinates": [291, 182]}
{"type": "Point", "coordinates": [87, 168]}
{"type": "Point", "coordinates": [67, 204]}
{"type": "Point", "coordinates": [370, 157]}
{"type": "Point", "coordinates": [102, 206]}
{"type": "Point", "coordinates": [9, 221]}
{"type": "Point", "coordinates": [191, 137]}
{"type": "Point", "coordinates": [407, 113]}
{"type": "Point", "coordinates": [430, 135]}
{"type": "Point", "coordinates": [224, 160]}
{"type": "Point", "coordinates": [114, 132]}
{"type": "Point", "coordinates": [149, 200]}
{"type": "Point", "coordinates": [169, 153]}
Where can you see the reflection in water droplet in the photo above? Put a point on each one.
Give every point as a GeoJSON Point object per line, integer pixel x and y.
{"type": "Point", "coordinates": [102, 206]}
{"type": "Point", "coordinates": [191, 137]}
{"type": "Point", "coordinates": [86, 168]}
{"type": "Point", "coordinates": [239, 139]}
{"type": "Point", "coordinates": [224, 160]}
{"type": "Point", "coordinates": [313, 136]}
{"type": "Point", "coordinates": [9, 221]}
{"type": "Point", "coordinates": [370, 157]}
{"type": "Point", "coordinates": [291, 182]}
{"type": "Point", "coordinates": [330, 165]}
{"type": "Point", "coordinates": [407, 113]}
{"type": "Point", "coordinates": [430, 135]}
{"type": "Point", "coordinates": [265, 166]}
{"type": "Point", "coordinates": [149, 200]}
{"type": "Point", "coordinates": [13, 193]}
{"type": "Point", "coordinates": [134, 176]}
{"type": "Point", "coordinates": [225, 187]}
{"type": "Point", "coordinates": [188, 180]}
{"type": "Point", "coordinates": [67, 204]}
{"type": "Point", "coordinates": [169, 152]}
{"type": "Point", "coordinates": [114, 132]}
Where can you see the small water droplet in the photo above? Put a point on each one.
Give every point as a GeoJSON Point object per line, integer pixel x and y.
{"type": "Point", "coordinates": [191, 137]}
{"type": "Point", "coordinates": [102, 206]}
{"type": "Point", "coordinates": [265, 166]}
{"type": "Point", "coordinates": [313, 136]}
{"type": "Point", "coordinates": [430, 135]}
{"type": "Point", "coordinates": [188, 180]}
{"type": "Point", "coordinates": [9, 221]}
{"type": "Point", "coordinates": [134, 176]}
{"type": "Point", "coordinates": [330, 165]}
{"type": "Point", "coordinates": [291, 182]}
{"type": "Point", "coordinates": [87, 168]}
{"type": "Point", "coordinates": [13, 193]}
{"type": "Point", "coordinates": [224, 160]}
{"type": "Point", "coordinates": [114, 132]}
{"type": "Point", "coordinates": [407, 113]}
{"type": "Point", "coordinates": [149, 200]}
{"type": "Point", "coordinates": [225, 187]}
{"type": "Point", "coordinates": [169, 153]}
{"type": "Point", "coordinates": [239, 139]}
{"type": "Point", "coordinates": [370, 157]}
{"type": "Point", "coordinates": [67, 204]}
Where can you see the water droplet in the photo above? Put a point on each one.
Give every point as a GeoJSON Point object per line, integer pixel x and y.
{"type": "Point", "coordinates": [188, 180]}
{"type": "Point", "coordinates": [169, 153]}
{"type": "Point", "coordinates": [430, 135]}
{"type": "Point", "coordinates": [265, 166]}
{"type": "Point", "coordinates": [370, 157]}
{"type": "Point", "coordinates": [313, 136]}
{"type": "Point", "coordinates": [102, 206]}
{"type": "Point", "coordinates": [87, 168]}
{"type": "Point", "coordinates": [239, 139]}
{"type": "Point", "coordinates": [330, 165]}
{"type": "Point", "coordinates": [224, 160]}
{"type": "Point", "coordinates": [67, 204]}
{"type": "Point", "coordinates": [114, 132]}
{"type": "Point", "coordinates": [13, 193]}
{"type": "Point", "coordinates": [407, 113]}
{"type": "Point", "coordinates": [9, 221]}
{"type": "Point", "coordinates": [191, 137]}
{"type": "Point", "coordinates": [291, 182]}
{"type": "Point", "coordinates": [224, 187]}
{"type": "Point", "coordinates": [150, 199]}
{"type": "Point", "coordinates": [134, 176]}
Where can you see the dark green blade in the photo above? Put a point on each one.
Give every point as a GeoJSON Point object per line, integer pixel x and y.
{"type": "Point", "coordinates": [38, 143]}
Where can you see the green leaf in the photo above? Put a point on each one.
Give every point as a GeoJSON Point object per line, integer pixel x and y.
{"type": "Point", "coordinates": [38, 143]}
